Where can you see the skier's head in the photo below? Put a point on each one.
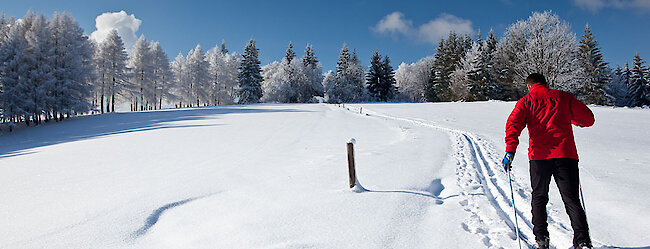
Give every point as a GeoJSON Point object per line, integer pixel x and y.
{"type": "Point", "coordinates": [535, 78]}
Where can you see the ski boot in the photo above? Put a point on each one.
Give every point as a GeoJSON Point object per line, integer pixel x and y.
{"type": "Point", "coordinates": [583, 245]}
{"type": "Point", "coordinates": [542, 243]}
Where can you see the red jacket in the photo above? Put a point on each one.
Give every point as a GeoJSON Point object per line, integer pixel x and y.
{"type": "Point", "coordinates": [548, 113]}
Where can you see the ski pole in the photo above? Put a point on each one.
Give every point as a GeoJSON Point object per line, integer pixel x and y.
{"type": "Point", "coordinates": [514, 210]}
{"type": "Point", "coordinates": [584, 208]}
{"type": "Point", "coordinates": [582, 197]}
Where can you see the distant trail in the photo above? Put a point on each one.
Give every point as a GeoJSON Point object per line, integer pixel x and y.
{"type": "Point", "coordinates": [477, 168]}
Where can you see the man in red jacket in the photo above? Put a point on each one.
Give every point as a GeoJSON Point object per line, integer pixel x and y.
{"type": "Point", "coordinates": [549, 113]}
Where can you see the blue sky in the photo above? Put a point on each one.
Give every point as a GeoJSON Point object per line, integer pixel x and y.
{"type": "Point", "coordinates": [622, 27]}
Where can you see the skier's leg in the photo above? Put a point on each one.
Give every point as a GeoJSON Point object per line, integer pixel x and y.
{"type": "Point", "coordinates": [540, 178]}
{"type": "Point", "coordinates": [567, 180]}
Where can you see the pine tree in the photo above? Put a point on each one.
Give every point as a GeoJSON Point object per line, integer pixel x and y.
{"type": "Point", "coordinates": [638, 90]}
{"type": "Point", "coordinates": [595, 68]}
{"type": "Point", "coordinates": [356, 80]}
{"type": "Point", "coordinates": [250, 77]}
{"type": "Point", "coordinates": [313, 76]}
{"type": "Point", "coordinates": [375, 76]}
{"type": "Point", "coordinates": [291, 78]}
{"type": "Point", "coordinates": [290, 54]}
{"type": "Point", "coordinates": [310, 59]}
{"type": "Point", "coordinates": [489, 68]}
{"type": "Point", "coordinates": [389, 79]}
{"type": "Point", "coordinates": [349, 78]}
{"type": "Point", "coordinates": [223, 47]}
{"type": "Point", "coordinates": [617, 87]}
{"type": "Point", "coordinates": [466, 82]}
{"type": "Point", "coordinates": [380, 78]}
{"type": "Point", "coordinates": [447, 58]}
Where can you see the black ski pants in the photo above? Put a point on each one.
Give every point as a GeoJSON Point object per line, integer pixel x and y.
{"type": "Point", "coordinates": [565, 173]}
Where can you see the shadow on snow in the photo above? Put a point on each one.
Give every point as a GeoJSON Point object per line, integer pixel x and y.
{"type": "Point", "coordinates": [21, 141]}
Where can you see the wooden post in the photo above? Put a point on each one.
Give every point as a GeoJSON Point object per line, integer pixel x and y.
{"type": "Point", "coordinates": [360, 110]}
{"type": "Point", "coordinates": [353, 175]}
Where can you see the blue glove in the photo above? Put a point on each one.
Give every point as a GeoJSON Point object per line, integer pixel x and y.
{"type": "Point", "coordinates": [507, 161]}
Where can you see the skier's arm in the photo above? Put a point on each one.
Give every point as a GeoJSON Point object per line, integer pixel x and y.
{"type": "Point", "coordinates": [580, 113]}
{"type": "Point", "coordinates": [515, 124]}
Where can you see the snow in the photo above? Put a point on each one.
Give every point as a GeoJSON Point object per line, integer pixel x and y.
{"type": "Point", "coordinates": [276, 176]}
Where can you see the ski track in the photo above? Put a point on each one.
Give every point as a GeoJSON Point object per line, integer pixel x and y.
{"type": "Point", "coordinates": [477, 167]}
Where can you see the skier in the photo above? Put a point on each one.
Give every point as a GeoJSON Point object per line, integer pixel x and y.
{"type": "Point", "coordinates": [549, 113]}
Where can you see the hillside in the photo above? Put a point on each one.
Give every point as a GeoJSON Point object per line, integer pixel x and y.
{"type": "Point", "coordinates": [275, 176]}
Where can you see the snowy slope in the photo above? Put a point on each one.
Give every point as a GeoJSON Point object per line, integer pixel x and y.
{"type": "Point", "coordinates": [275, 176]}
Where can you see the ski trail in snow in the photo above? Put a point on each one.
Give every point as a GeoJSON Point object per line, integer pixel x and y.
{"type": "Point", "coordinates": [478, 168]}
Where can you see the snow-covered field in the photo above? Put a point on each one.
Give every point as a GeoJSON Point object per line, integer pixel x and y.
{"type": "Point", "coordinates": [275, 176]}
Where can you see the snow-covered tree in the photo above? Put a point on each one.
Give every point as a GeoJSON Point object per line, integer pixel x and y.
{"type": "Point", "coordinates": [412, 79]}
{"type": "Point", "coordinates": [350, 83]}
{"type": "Point", "coordinates": [182, 81]}
{"type": "Point", "coordinates": [275, 86]}
{"type": "Point", "coordinates": [112, 70]}
{"type": "Point", "coordinates": [489, 74]}
{"type": "Point", "coordinates": [311, 85]}
{"type": "Point", "coordinates": [163, 85]}
{"type": "Point", "coordinates": [141, 65]}
{"type": "Point", "coordinates": [14, 65]}
{"type": "Point", "coordinates": [638, 87]}
{"type": "Point", "coordinates": [289, 77]}
{"type": "Point", "coordinates": [199, 75]}
{"type": "Point", "coordinates": [250, 77]}
{"type": "Point", "coordinates": [596, 71]}
{"type": "Point", "coordinates": [223, 74]}
{"type": "Point", "coordinates": [292, 80]}
{"type": "Point", "coordinates": [228, 78]}
{"type": "Point", "coordinates": [73, 67]}
{"type": "Point", "coordinates": [40, 77]}
{"type": "Point", "coordinates": [465, 81]}
{"type": "Point", "coordinates": [448, 55]}
{"type": "Point", "coordinates": [617, 87]}
{"type": "Point", "coordinates": [541, 44]}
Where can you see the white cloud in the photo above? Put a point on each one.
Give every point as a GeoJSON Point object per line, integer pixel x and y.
{"type": "Point", "coordinates": [595, 5]}
{"type": "Point", "coordinates": [431, 32]}
{"type": "Point", "coordinates": [440, 27]}
{"type": "Point", "coordinates": [394, 23]}
{"type": "Point", "coordinates": [125, 24]}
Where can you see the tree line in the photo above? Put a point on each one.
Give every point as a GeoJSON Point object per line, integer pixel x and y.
{"type": "Point", "coordinates": [50, 70]}
{"type": "Point", "coordinates": [463, 69]}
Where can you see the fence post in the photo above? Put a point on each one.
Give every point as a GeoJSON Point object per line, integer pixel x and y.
{"type": "Point", "coordinates": [353, 175]}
